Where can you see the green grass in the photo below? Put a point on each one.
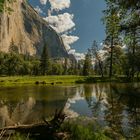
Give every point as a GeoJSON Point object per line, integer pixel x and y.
{"type": "Point", "coordinates": [14, 80]}
{"type": "Point", "coordinates": [83, 129]}
{"type": "Point", "coordinates": [53, 80]}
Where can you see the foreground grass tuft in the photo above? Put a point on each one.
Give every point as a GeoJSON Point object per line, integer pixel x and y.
{"type": "Point", "coordinates": [83, 131]}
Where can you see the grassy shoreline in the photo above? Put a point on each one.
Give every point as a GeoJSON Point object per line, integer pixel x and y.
{"type": "Point", "coordinates": [58, 80]}
{"type": "Point", "coordinates": [36, 80]}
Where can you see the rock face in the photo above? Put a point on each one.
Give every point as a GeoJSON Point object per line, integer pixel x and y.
{"type": "Point", "coordinates": [25, 29]}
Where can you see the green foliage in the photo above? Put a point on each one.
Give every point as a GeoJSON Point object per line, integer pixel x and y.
{"type": "Point", "coordinates": [57, 69]}
{"type": "Point", "coordinates": [87, 67]}
{"type": "Point", "coordinates": [16, 64]}
{"type": "Point", "coordinates": [45, 62]}
{"type": "Point", "coordinates": [122, 27]}
{"type": "Point", "coordinates": [111, 19]}
{"type": "Point", "coordinates": [18, 136]}
{"type": "Point", "coordinates": [83, 132]}
{"type": "Point", "coordinates": [3, 7]}
{"type": "Point", "coordinates": [21, 80]}
{"type": "Point", "coordinates": [118, 58]}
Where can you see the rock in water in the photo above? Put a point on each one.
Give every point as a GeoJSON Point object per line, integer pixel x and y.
{"type": "Point", "coordinates": [25, 29]}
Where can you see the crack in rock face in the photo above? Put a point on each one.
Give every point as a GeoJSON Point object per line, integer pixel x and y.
{"type": "Point", "coordinates": [24, 28]}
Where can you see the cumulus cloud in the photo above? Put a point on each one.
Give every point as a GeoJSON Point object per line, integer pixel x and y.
{"type": "Point", "coordinates": [43, 2]}
{"type": "Point", "coordinates": [62, 22]}
{"type": "Point", "coordinates": [72, 51]}
{"type": "Point", "coordinates": [68, 40]}
{"type": "Point", "coordinates": [59, 4]}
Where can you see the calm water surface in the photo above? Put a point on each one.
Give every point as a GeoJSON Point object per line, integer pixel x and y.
{"type": "Point", "coordinates": [113, 105]}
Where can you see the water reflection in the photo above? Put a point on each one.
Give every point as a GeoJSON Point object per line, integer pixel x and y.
{"type": "Point", "coordinates": [114, 105]}
{"type": "Point", "coordinates": [24, 105]}
{"type": "Point", "coordinates": [129, 99]}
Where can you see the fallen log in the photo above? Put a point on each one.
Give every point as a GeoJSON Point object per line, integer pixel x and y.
{"type": "Point", "coordinates": [43, 130]}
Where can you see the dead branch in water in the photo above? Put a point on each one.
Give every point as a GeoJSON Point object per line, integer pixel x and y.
{"type": "Point", "coordinates": [40, 130]}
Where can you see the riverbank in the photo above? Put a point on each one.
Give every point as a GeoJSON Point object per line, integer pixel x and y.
{"type": "Point", "coordinates": [39, 80]}
{"type": "Point", "coordinates": [56, 80]}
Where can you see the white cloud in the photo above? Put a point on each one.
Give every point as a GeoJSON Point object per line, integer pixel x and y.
{"type": "Point", "coordinates": [59, 4]}
{"type": "Point", "coordinates": [62, 22]}
{"type": "Point", "coordinates": [78, 56]}
{"type": "Point", "coordinates": [72, 51]}
{"type": "Point", "coordinates": [38, 10]}
{"type": "Point", "coordinates": [43, 2]}
{"type": "Point", "coordinates": [68, 40]}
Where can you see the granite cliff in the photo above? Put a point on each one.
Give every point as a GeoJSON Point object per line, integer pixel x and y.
{"type": "Point", "coordinates": [24, 28]}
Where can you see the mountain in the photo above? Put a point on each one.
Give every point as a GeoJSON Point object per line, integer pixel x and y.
{"type": "Point", "coordinates": [27, 31]}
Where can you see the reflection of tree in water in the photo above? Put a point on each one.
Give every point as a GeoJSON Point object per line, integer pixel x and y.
{"type": "Point", "coordinates": [129, 97]}
{"type": "Point", "coordinates": [94, 97]}
{"type": "Point", "coordinates": [119, 105]}
{"type": "Point", "coordinates": [88, 94]}
{"type": "Point", "coordinates": [114, 112]}
{"type": "Point", "coordinates": [106, 104]}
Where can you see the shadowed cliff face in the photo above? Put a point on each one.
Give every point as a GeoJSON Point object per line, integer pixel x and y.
{"type": "Point", "coordinates": [24, 28]}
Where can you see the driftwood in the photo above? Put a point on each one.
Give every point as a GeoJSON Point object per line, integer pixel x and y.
{"type": "Point", "coordinates": [44, 130]}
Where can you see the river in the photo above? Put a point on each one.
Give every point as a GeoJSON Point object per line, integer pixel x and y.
{"type": "Point", "coordinates": [114, 105]}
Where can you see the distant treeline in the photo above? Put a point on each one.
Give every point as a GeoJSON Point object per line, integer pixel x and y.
{"type": "Point", "coordinates": [123, 62]}
{"type": "Point", "coordinates": [13, 63]}
{"type": "Point", "coordinates": [18, 64]}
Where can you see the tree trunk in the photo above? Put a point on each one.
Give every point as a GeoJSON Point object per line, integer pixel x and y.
{"type": "Point", "coordinates": [138, 75]}
{"type": "Point", "coordinates": [133, 52]}
{"type": "Point", "coordinates": [101, 68]}
{"type": "Point", "coordinates": [111, 57]}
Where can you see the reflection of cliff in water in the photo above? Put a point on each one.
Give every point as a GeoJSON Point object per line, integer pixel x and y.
{"type": "Point", "coordinates": [31, 107]}
{"type": "Point", "coordinates": [114, 105]}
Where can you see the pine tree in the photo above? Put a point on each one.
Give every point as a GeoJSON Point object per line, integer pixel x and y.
{"type": "Point", "coordinates": [112, 22]}
{"type": "Point", "coordinates": [87, 65]}
{"type": "Point", "coordinates": [44, 61]}
{"type": "Point", "coordinates": [128, 11]}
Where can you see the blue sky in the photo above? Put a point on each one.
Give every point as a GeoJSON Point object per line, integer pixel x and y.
{"type": "Point", "coordinates": [87, 19]}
